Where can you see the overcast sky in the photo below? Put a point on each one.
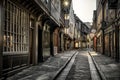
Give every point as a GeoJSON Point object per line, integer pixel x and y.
{"type": "Point", "coordinates": [84, 9]}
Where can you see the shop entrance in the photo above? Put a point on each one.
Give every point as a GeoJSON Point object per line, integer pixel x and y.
{"type": "Point", "coordinates": [40, 48]}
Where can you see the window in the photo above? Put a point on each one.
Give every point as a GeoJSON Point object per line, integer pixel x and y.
{"type": "Point", "coordinates": [46, 1]}
{"type": "Point", "coordinates": [15, 28]}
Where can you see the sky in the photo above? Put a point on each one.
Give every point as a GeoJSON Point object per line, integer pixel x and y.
{"type": "Point", "coordinates": [84, 9]}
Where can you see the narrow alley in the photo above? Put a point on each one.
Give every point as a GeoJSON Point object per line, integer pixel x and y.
{"type": "Point", "coordinates": [72, 65]}
{"type": "Point", "coordinates": [59, 39]}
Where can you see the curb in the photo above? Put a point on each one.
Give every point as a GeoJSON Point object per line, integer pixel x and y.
{"type": "Point", "coordinates": [63, 67]}
{"type": "Point", "coordinates": [101, 74]}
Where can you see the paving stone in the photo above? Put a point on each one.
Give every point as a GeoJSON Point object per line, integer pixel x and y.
{"type": "Point", "coordinates": [109, 68]}
{"type": "Point", "coordinates": [44, 71]}
{"type": "Point", "coordinates": [80, 69]}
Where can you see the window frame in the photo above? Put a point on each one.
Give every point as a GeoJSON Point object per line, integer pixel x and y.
{"type": "Point", "coordinates": [16, 29]}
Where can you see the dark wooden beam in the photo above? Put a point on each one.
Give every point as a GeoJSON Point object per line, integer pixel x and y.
{"type": "Point", "coordinates": [116, 38]}
{"type": "Point", "coordinates": [1, 34]}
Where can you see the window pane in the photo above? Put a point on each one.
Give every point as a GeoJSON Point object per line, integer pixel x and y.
{"type": "Point", "coordinates": [15, 28]}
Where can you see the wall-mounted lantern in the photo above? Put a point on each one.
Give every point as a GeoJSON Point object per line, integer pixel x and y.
{"type": "Point", "coordinates": [66, 2]}
{"type": "Point", "coordinates": [66, 16]}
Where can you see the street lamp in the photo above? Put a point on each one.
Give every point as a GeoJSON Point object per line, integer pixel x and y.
{"type": "Point", "coordinates": [66, 2]}
{"type": "Point", "coordinates": [66, 16]}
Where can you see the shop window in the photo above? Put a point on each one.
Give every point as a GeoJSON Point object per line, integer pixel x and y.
{"type": "Point", "coordinates": [15, 28]}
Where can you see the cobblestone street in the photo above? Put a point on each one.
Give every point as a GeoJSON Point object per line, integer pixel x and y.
{"type": "Point", "coordinates": [80, 69]}
{"type": "Point", "coordinates": [72, 65]}
{"type": "Point", "coordinates": [59, 40]}
{"type": "Point", "coordinates": [45, 71]}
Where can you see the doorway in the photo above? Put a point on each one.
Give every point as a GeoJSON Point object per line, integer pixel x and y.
{"type": "Point", "coordinates": [40, 48]}
{"type": "Point", "coordinates": [31, 41]}
{"type": "Point", "coordinates": [31, 45]}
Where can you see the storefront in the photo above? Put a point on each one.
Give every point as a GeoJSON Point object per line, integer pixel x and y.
{"type": "Point", "coordinates": [15, 37]}
{"type": "Point", "coordinates": [26, 35]}
{"type": "Point", "coordinates": [76, 45]}
{"type": "Point", "coordinates": [110, 41]}
{"type": "Point", "coordinates": [19, 37]}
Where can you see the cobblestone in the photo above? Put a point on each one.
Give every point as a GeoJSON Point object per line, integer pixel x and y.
{"type": "Point", "coordinates": [46, 71]}
{"type": "Point", "coordinates": [80, 69]}
{"type": "Point", "coordinates": [107, 67]}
